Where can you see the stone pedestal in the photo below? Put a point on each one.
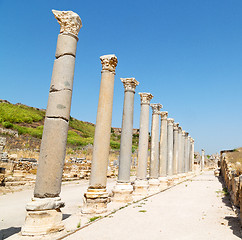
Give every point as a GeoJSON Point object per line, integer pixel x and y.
{"type": "Point", "coordinates": [43, 213]}
{"type": "Point", "coordinates": [154, 186]}
{"type": "Point", "coordinates": [163, 183]}
{"type": "Point", "coordinates": [141, 188]}
{"type": "Point", "coordinates": [122, 192]}
{"type": "Point", "coordinates": [96, 197]}
{"type": "Point", "coordinates": [141, 183]}
{"type": "Point", "coordinates": [123, 183]}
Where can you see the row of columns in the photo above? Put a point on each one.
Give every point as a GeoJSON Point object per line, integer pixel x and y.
{"type": "Point", "coordinates": [171, 149]}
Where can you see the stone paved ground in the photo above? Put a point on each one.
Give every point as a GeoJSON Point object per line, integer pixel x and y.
{"type": "Point", "coordinates": [193, 210]}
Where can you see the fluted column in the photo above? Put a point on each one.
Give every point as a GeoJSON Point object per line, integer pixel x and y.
{"type": "Point", "coordinates": [183, 153]}
{"type": "Point", "coordinates": [123, 189]}
{"type": "Point", "coordinates": [154, 151]}
{"type": "Point", "coordinates": [163, 151]}
{"type": "Point", "coordinates": [43, 213]}
{"type": "Point", "coordinates": [96, 196]}
{"type": "Point", "coordinates": [141, 184]}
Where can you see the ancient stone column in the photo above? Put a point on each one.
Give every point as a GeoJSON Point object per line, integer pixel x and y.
{"type": "Point", "coordinates": [170, 122]}
{"type": "Point", "coordinates": [141, 183]}
{"type": "Point", "coordinates": [154, 151]}
{"type": "Point", "coordinates": [175, 153]}
{"type": "Point", "coordinates": [180, 147]}
{"type": "Point", "coordinates": [43, 213]}
{"type": "Point", "coordinates": [96, 197]}
{"type": "Point", "coordinates": [191, 155]}
{"type": "Point", "coordinates": [202, 161]}
{"type": "Point", "coordinates": [123, 189]}
{"type": "Point", "coordinates": [175, 148]}
{"type": "Point", "coordinates": [183, 175]}
{"type": "Point", "coordinates": [186, 151]}
{"type": "Point", "coordinates": [163, 151]}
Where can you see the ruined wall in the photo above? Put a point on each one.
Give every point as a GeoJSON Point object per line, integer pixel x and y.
{"type": "Point", "coordinates": [233, 182]}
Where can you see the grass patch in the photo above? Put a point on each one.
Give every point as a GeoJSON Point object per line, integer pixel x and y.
{"type": "Point", "coordinates": [142, 211]}
{"type": "Point", "coordinates": [94, 218]}
{"type": "Point", "coordinates": [79, 225]}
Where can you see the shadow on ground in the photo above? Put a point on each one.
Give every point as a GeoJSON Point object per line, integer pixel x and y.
{"type": "Point", "coordinates": [233, 222]}
{"type": "Point", "coordinates": [5, 233]}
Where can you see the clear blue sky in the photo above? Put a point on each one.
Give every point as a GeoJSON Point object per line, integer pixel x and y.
{"type": "Point", "coordinates": [188, 54]}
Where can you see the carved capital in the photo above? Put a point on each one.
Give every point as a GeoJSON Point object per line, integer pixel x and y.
{"type": "Point", "coordinates": [183, 133]}
{"type": "Point", "coordinates": [175, 126]}
{"type": "Point", "coordinates": [129, 84]}
{"type": "Point", "coordinates": [186, 134]}
{"type": "Point", "coordinates": [170, 121]}
{"type": "Point", "coordinates": [163, 115]}
{"type": "Point", "coordinates": [192, 140]}
{"type": "Point", "coordinates": [109, 62]}
{"type": "Point", "coordinates": [156, 108]}
{"type": "Point", "coordinates": [179, 129]}
{"type": "Point", "coordinates": [69, 21]}
{"type": "Point", "coordinates": [145, 98]}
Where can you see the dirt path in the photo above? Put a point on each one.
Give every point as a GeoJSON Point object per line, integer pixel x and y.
{"type": "Point", "coordinates": [194, 210]}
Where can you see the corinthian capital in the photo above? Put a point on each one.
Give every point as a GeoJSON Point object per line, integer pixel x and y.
{"type": "Point", "coordinates": [163, 115]}
{"type": "Point", "coordinates": [129, 84]}
{"type": "Point", "coordinates": [145, 98]}
{"type": "Point", "coordinates": [170, 121]}
{"type": "Point", "coordinates": [175, 126]}
{"type": "Point", "coordinates": [109, 62]}
{"type": "Point", "coordinates": [156, 108]}
{"type": "Point", "coordinates": [69, 21]}
{"type": "Point", "coordinates": [186, 134]}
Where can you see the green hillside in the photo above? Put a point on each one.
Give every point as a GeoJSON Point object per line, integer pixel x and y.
{"type": "Point", "coordinates": [29, 121]}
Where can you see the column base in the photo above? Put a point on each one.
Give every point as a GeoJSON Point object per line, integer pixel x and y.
{"type": "Point", "coordinates": [175, 179]}
{"type": "Point", "coordinates": [170, 181]}
{"type": "Point", "coordinates": [122, 192]}
{"type": "Point", "coordinates": [154, 186]}
{"type": "Point", "coordinates": [43, 217]}
{"type": "Point", "coordinates": [95, 201]}
{"type": "Point", "coordinates": [163, 183]}
{"type": "Point", "coordinates": [141, 188]}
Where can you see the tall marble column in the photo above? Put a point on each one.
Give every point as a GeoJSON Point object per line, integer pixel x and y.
{"type": "Point", "coordinates": [183, 175]}
{"type": "Point", "coordinates": [43, 212]}
{"type": "Point", "coordinates": [154, 151]}
{"type": "Point", "coordinates": [186, 151]}
{"type": "Point", "coordinates": [202, 161]}
{"type": "Point", "coordinates": [123, 189]}
{"type": "Point", "coordinates": [180, 147]}
{"type": "Point", "coordinates": [191, 155]}
{"type": "Point", "coordinates": [175, 148]}
{"type": "Point", "coordinates": [141, 183]}
{"type": "Point", "coordinates": [163, 151]}
{"type": "Point", "coordinates": [170, 122]}
{"type": "Point", "coordinates": [96, 197]}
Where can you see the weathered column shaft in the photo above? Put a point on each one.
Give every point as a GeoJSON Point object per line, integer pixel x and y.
{"type": "Point", "coordinates": [127, 130]}
{"type": "Point", "coordinates": [186, 151]}
{"type": "Point", "coordinates": [170, 122]}
{"type": "Point", "coordinates": [175, 148]}
{"type": "Point", "coordinates": [202, 162]}
{"type": "Point", "coordinates": [192, 155]}
{"type": "Point", "coordinates": [163, 145]}
{"type": "Point", "coordinates": [143, 136]}
{"type": "Point", "coordinates": [43, 212]}
{"type": "Point", "coordinates": [180, 154]}
{"type": "Point", "coordinates": [154, 151]}
{"type": "Point", "coordinates": [53, 144]}
{"type": "Point", "coordinates": [183, 151]}
{"type": "Point", "coordinates": [101, 144]}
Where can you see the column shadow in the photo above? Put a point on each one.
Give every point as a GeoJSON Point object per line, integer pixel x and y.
{"type": "Point", "coordinates": [5, 233]}
{"type": "Point", "coordinates": [233, 222]}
